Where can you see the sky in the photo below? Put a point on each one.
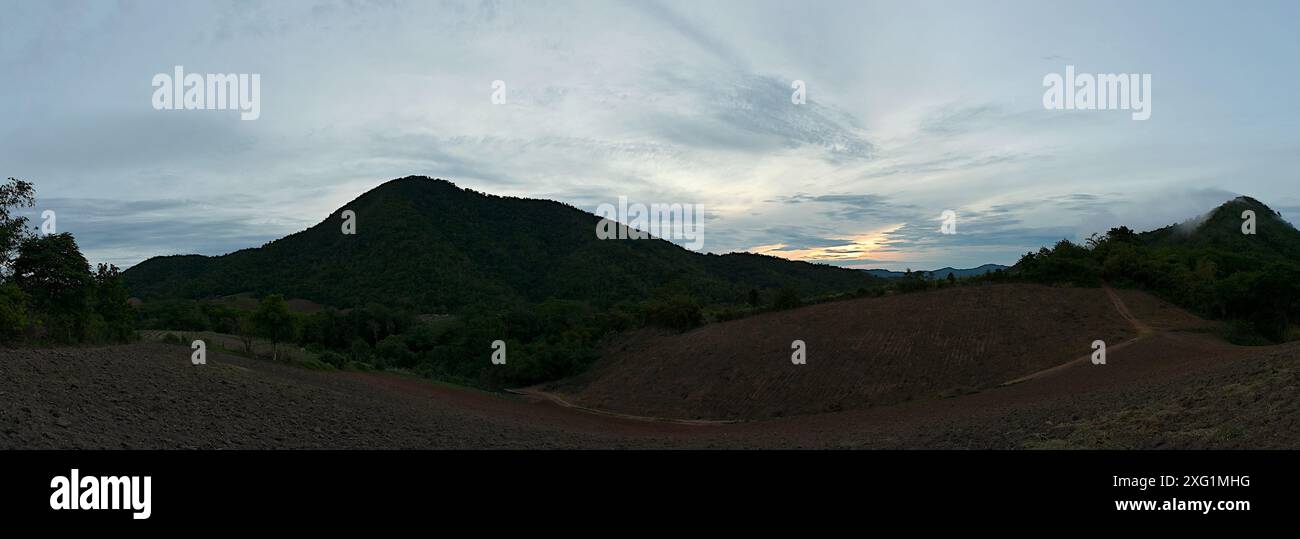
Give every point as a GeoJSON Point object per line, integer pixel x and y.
{"type": "Point", "coordinates": [911, 109]}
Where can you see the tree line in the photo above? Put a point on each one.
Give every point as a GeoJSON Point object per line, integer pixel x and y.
{"type": "Point", "coordinates": [48, 292]}
{"type": "Point", "coordinates": [1255, 290]}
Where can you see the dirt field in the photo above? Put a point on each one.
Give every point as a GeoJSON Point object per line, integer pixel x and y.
{"type": "Point", "coordinates": [860, 353]}
{"type": "Point", "coordinates": [1165, 389]}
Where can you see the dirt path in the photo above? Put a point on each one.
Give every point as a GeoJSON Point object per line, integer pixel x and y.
{"type": "Point", "coordinates": [1138, 325]}
{"type": "Point", "coordinates": [1142, 329]}
{"type": "Point", "coordinates": [556, 399]}
{"type": "Point", "coordinates": [1165, 388]}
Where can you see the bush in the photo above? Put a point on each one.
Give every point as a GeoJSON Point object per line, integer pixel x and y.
{"type": "Point", "coordinates": [360, 351]}
{"type": "Point", "coordinates": [392, 351]}
{"type": "Point", "coordinates": [315, 364]}
{"type": "Point", "coordinates": [56, 277]}
{"type": "Point", "coordinates": [13, 312]}
{"type": "Point", "coordinates": [678, 312]}
{"type": "Point", "coordinates": [1244, 333]}
{"type": "Point", "coordinates": [786, 298]}
{"type": "Point", "coordinates": [333, 358]}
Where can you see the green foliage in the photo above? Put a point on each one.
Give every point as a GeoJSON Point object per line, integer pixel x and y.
{"type": "Point", "coordinates": [114, 317]}
{"type": "Point", "coordinates": [1209, 267]}
{"type": "Point", "coordinates": [47, 291]}
{"type": "Point", "coordinates": [359, 352]}
{"type": "Point", "coordinates": [677, 312]}
{"type": "Point", "coordinates": [13, 312]}
{"type": "Point", "coordinates": [786, 298]}
{"type": "Point", "coordinates": [333, 358]}
{"type": "Point", "coordinates": [430, 247]}
{"type": "Point", "coordinates": [57, 279]}
{"type": "Point", "coordinates": [912, 281]}
{"type": "Point", "coordinates": [315, 364]}
{"type": "Point", "coordinates": [393, 352]}
{"type": "Point", "coordinates": [272, 321]}
{"type": "Point", "coordinates": [13, 228]}
{"type": "Point", "coordinates": [436, 273]}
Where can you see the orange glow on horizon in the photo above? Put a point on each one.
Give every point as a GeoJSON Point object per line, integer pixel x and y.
{"type": "Point", "coordinates": [867, 246]}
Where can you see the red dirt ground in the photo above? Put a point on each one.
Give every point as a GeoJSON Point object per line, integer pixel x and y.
{"type": "Point", "coordinates": [1166, 389]}
{"type": "Point", "coordinates": [860, 353]}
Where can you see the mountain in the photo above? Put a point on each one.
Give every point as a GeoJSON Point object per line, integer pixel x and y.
{"type": "Point", "coordinates": [430, 245]}
{"type": "Point", "coordinates": [1221, 229]}
{"type": "Point", "coordinates": [941, 273]}
{"type": "Point", "coordinates": [1209, 265]}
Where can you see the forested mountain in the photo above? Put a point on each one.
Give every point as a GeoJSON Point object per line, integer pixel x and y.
{"type": "Point", "coordinates": [1222, 229]}
{"type": "Point", "coordinates": [1210, 265]}
{"type": "Point", "coordinates": [429, 245]}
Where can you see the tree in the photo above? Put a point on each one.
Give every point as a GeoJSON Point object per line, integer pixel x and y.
{"type": "Point", "coordinates": [273, 321]}
{"type": "Point", "coordinates": [13, 312]}
{"type": "Point", "coordinates": [110, 305]}
{"type": "Point", "coordinates": [246, 332]}
{"type": "Point", "coordinates": [786, 298]}
{"type": "Point", "coordinates": [13, 229]}
{"type": "Point", "coordinates": [676, 312]}
{"type": "Point", "coordinates": [360, 351]}
{"type": "Point", "coordinates": [53, 273]}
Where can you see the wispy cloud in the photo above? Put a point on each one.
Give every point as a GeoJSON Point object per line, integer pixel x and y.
{"type": "Point", "coordinates": [910, 111]}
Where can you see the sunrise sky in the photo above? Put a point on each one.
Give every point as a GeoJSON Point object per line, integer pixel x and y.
{"type": "Point", "coordinates": [912, 108]}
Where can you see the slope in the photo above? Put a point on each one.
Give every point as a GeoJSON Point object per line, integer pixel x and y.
{"type": "Point", "coordinates": [428, 244]}
{"type": "Point", "coordinates": [860, 353]}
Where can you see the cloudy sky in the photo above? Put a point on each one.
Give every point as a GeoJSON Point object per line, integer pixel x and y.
{"type": "Point", "coordinates": [913, 108]}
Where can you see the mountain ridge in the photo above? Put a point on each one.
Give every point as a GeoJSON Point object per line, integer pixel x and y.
{"type": "Point", "coordinates": [429, 244]}
{"type": "Point", "coordinates": [1221, 228]}
{"type": "Point", "coordinates": [940, 273]}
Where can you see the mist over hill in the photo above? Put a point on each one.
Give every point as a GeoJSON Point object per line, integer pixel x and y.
{"type": "Point", "coordinates": [1221, 228]}
{"type": "Point", "coordinates": [1239, 262]}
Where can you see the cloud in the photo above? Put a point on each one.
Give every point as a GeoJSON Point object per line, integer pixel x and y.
{"type": "Point", "coordinates": [909, 112]}
{"type": "Point", "coordinates": [125, 232]}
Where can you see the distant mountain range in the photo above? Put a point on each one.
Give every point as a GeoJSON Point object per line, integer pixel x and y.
{"type": "Point", "coordinates": [432, 246]}
{"type": "Point", "coordinates": [941, 273]}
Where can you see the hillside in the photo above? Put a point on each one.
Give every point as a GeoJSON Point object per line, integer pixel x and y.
{"type": "Point", "coordinates": [1170, 392]}
{"type": "Point", "coordinates": [432, 246]}
{"type": "Point", "coordinates": [1220, 229]}
{"type": "Point", "coordinates": [1206, 265]}
{"type": "Point", "coordinates": [860, 353]}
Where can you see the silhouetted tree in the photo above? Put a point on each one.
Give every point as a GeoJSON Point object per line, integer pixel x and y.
{"type": "Point", "coordinates": [13, 228]}
{"type": "Point", "coordinates": [56, 277]}
{"type": "Point", "coordinates": [274, 322]}
{"type": "Point", "coordinates": [114, 314]}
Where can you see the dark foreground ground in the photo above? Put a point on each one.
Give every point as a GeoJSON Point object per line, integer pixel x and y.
{"type": "Point", "coordinates": [1165, 390]}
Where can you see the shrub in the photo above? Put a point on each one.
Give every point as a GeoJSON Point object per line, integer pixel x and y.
{"type": "Point", "coordinates": [393, 351]}
{"type": "Point", "coordinates": [677, 312]}
{"type": "Point", "coordinates": [786, 298]}
{"type": "Point", "coordinates": [315, 364]}
{"type": "Point", "coordinates": [333, 358]}
{"type": "Point", "coordinates": [13, 312]}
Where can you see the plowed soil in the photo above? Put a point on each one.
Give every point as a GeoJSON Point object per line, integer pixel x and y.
{"type": "Point", "coordinates": [860, 353]}
{"type": "Point", "coordinates": [1169, 388]}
